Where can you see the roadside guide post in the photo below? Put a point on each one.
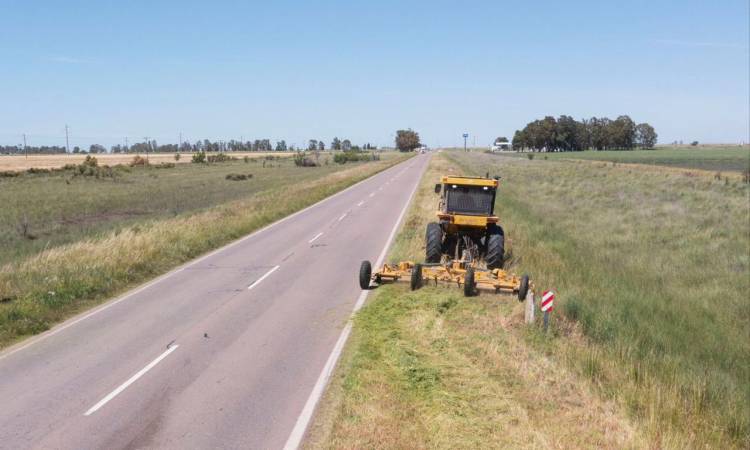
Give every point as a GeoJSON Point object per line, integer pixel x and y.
{"type": "Point", "coordinates": [548, 298]}
{"type": "Point", "coordinates": [529, 313]}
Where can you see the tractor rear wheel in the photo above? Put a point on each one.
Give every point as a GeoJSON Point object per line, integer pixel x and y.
{"type": "Point", "coordinates": [469, 284]}
{"type": "Point", "coordinates": [416, 277]}
{"type": "Point", "coordinates": [495, 247]}
{"type": "Point", "coordinates": [365, 273]}
{"type": "Point", "coordinates": [433, 243]}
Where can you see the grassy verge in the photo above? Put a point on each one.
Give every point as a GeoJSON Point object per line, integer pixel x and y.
{"type": "Point", "coordinates": [45, 210]}
{"type": "Point", "coordinates": [432, 369]}
{"type": "Point", "coordinates": [653, 269]}
{"type": "Point", "coordinates": [48, 286]}
{"type": "Point", "coordinates": [711, 158]}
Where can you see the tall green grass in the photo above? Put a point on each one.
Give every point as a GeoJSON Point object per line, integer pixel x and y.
{"type": "Point", "coordinates": [654, 270]}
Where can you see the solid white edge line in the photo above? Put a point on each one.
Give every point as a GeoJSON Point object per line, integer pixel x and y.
{"type": "Point", "coordinates": [300, 427]}
{"type": "Point", "coordinates": [316, 236]}
{"type": "Point", "coordinates": [130, 381]}
{"type": "Point", "coordinates": [74, 320]}
{"type": "Point", "coordinates": [257, 282]}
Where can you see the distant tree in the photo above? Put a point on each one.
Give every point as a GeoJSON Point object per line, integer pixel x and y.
{"type": "Point", "coordinates": [501, 139]}
{"type": "Point", "coordinates": [346, 145]}
{"type": "Point", "coordinates": [96, 148]}
{"type": "Point", "coordinates": [312, 145]}
{"type": "Point", "coordinates": [336, 144]}
{"type": "Point", "coordinates": [76, 149]}
{"type": "Point", "coordinates": [694, 143]}
{"type": "Point", "coordinates": [281, 146]}
{"type": "Point", "coordinates": [321, 145]}
{"type": "Point", "coordinates": [645, 135]}
{"type": "Point", "coordinates": [407, 140]}
{"type": "Point", "coordinates": [519, 140]}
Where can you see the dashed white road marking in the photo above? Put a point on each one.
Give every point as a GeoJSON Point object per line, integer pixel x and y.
{"type": "Point", "coordinates": [372, 195]}
{"type": "Point", "coordinates": [342, 217]}
{"type": "Point", "coordinates": [361, 203]}
{"type": "Point", "coordinates": [316, 236]}
{"type": "Point", "coordinates": [130, 381]}
{"type": "Point", "coordinates": [257, 282]}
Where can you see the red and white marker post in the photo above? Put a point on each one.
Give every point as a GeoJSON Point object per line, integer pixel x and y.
{"type": "Point", "coordinates": [548, 298]}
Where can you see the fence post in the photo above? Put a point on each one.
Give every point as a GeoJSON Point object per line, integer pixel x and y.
{"type": "Point", "coordinates": [529, 314]}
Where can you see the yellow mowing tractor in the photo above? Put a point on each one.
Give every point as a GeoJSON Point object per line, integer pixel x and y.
{"type": "Point", "coordinates": [465, 247]}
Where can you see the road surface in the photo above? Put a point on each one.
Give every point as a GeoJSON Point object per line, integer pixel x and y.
{"type": "Point", "coordinates": [223, 352]}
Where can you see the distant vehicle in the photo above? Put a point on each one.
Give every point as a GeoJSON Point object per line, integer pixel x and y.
{"type": "Point", "coordinates": [498, 146]}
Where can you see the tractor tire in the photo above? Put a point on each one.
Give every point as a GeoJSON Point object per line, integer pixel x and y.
{"type": "Point", "coordinates": [433, 243]}
{"type": "Point", "coordinates": [523, 289]}
{"type": "Point", "coordinates": [365, 273]}
{"type": "Point", "coordinates": [416, 277]}
{"type": "Point", "coordinates": [495, 256]}
{"type": "Point", "coordinates": [469, 285]}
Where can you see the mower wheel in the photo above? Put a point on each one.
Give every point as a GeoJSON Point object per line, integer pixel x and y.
{"type": "Point", "coordinates": [416, 277]}
{"type": "Point", "coordinates": [365, 273]}
{"type": "Point", "coordinates": [469, 285]}
{"type": "Point", "coordinates": [523, 289]}
{"type": "Point", "coordinates": [495, 247]}
{"type": "Point", "coordinates": [433, 243]}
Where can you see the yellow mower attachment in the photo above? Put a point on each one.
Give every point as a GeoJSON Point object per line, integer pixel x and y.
{"type": "Point", "coordinates": [460, 273]}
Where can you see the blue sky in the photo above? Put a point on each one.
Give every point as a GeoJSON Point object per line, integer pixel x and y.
{"type": "Point", "coordinates": [362, 69]}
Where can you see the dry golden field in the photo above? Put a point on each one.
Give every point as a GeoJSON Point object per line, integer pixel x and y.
{"type": "Point", "coordinates": [21, 162]}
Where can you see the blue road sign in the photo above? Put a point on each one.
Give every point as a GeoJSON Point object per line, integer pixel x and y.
{"type": "Point", "coordinates": [466, 135]}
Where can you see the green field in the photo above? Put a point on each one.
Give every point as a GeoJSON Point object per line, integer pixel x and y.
{"type": "Point", "coordinates": [713, 158]}
{"type": "Point", "coordinates": [69, 242]}
{"type": "Point", "coordinates": [60, 208]}
{"type": "Point", "coordinates": [649, 336]}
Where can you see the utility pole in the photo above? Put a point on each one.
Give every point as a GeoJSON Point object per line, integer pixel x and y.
{"type": "Point", "coordinates": [67, 143]}
{"type": "Point", "coordinates": [148, 146]}
{"type": "Point", "coordinates": [126, 144]}
{"type": "Point", "coordinates": [179, 144]}
{"type": "Point", "coordinates": [25, 149]}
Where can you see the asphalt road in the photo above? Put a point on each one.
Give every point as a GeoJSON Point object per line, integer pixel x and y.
{"type": "Point", "coordinates": [223, 352]}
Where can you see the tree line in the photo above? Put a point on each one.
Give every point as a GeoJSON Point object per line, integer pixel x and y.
{"type": "Point", "coordinates": [566, 134]}
{"type": "Point", "coordinates": [151, 146]}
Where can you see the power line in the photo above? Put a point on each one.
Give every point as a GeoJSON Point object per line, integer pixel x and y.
{"type": "Point", "coordinates": [67, 143]}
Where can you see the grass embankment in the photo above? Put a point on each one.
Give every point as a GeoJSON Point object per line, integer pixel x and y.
{"type": "Point", "coordinates": [717, 158]}
{"type": "Point", "coordinates": [433, 369]}
{"type": "Point", "coordinates": [654, 269]}
{"type": "Point", "coordinates": [41, 288]}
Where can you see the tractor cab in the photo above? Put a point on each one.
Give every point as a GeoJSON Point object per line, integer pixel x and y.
{"type": "Point", "coordinates": [466, 201]}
